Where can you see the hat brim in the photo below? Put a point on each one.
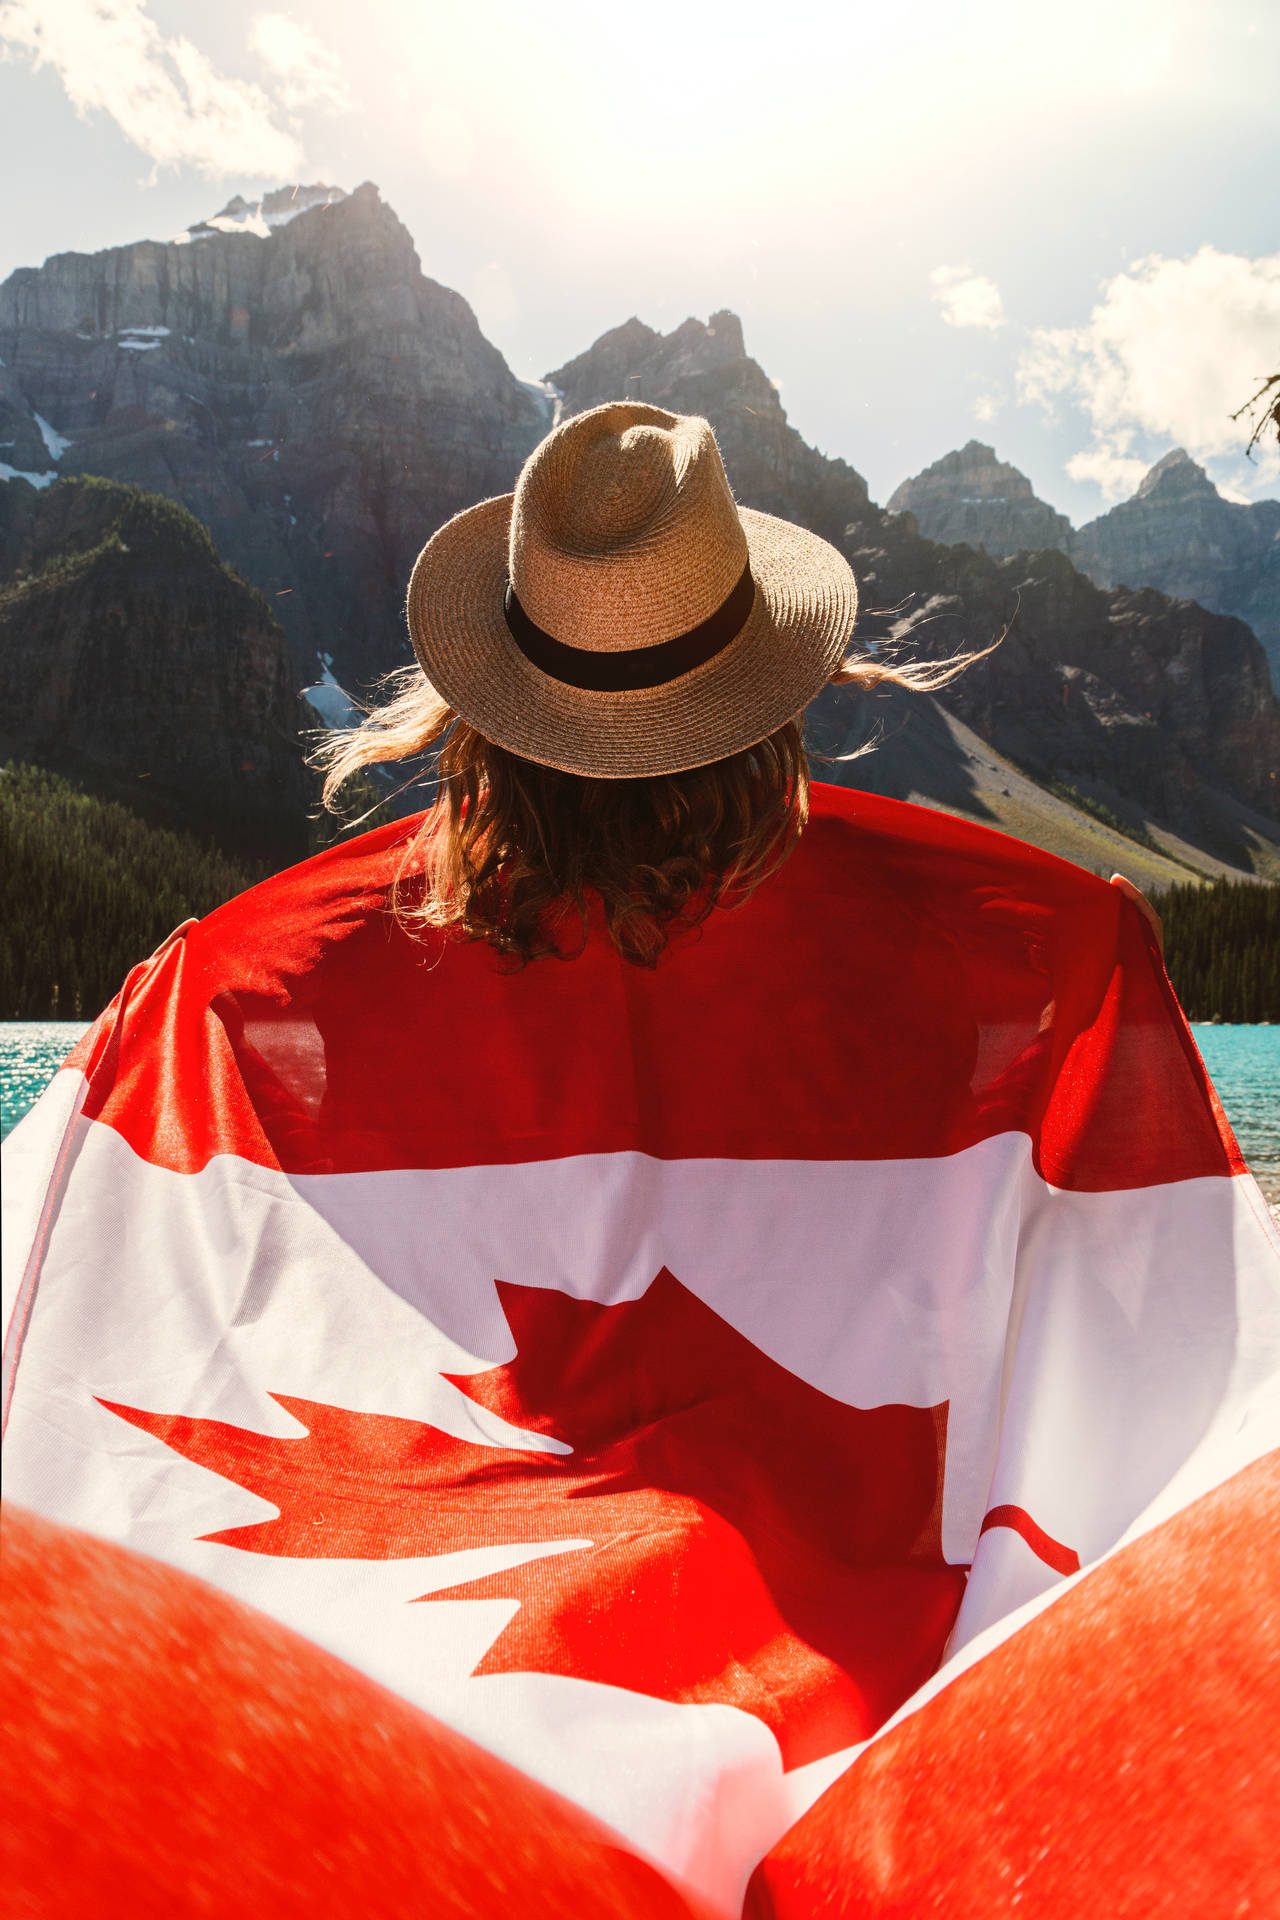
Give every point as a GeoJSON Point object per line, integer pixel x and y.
{"type": "Point", "coordinates": [793, 639]}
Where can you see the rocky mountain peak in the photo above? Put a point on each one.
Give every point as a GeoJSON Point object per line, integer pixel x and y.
{"type": "Point", "coordinates": [632, 362]}
{"type": "Point", "coordinates": [972, 472]}
{"type": "Point", "coordinates": [972, 496]}
{"type": "Point", "coordinates": [1174, 478]}
{"type": "Point", "coordinates": [288, 372]}
{"type": "Point", "coordinates": [261, 217]}
{"type": "Point", "coordinates": [725, 328]}
{"type": "Point", "coordinates": [608, 365]}
{"type": "Point", "coordinates": [703, 367]}
{"type": "Point", "coordinates": [1177, 533]}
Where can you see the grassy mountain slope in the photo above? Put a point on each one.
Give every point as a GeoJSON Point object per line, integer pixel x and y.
{"type": "Point", "coordinates": [924, 753]}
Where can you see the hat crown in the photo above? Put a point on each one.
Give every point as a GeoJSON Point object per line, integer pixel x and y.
{"type": "Point", "coordinates": [624, 532]}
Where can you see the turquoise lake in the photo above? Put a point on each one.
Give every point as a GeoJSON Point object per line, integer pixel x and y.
{"type": "Point", "coordinates": [31, 1051]}
{"type": "Point", "coordinates": [1243, 1062]}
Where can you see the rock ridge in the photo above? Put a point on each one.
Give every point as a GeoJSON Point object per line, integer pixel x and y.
{"type": "Point", "coordinates": [1177, 533]}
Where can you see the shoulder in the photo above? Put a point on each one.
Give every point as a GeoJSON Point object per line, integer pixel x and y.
{"type": "Point", "coordinates": [864, 834]}
{"type": "Point", "coordinates": [271, 937]}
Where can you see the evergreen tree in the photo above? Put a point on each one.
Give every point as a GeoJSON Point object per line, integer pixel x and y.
{"type": "Point", "coordinates": [87, 890]}
{"type": "Point", "coordinates": [1223, 949]}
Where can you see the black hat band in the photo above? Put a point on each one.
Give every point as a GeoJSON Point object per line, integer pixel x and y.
{"type": "Point", "coordinates": [631, 668]}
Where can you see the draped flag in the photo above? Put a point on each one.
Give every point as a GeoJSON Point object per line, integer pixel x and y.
{"type": "Point", "coordinates": [811, 1406]}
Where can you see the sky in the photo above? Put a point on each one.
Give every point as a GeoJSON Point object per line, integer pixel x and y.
{"type": "Point", "coordinates": [1054, 229]}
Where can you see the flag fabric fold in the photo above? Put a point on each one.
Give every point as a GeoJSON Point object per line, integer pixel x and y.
{"type": "Point", "coordinates": [690, 1384]}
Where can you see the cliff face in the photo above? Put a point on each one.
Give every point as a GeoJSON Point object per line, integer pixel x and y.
{"type": "Point", "coordinates": [292, 379]}
{"type": "Point", "coordinates": [1180, 535]}
{"type": "Point", "coordinates": [971, 496]}
{"type": "Point", "coordinates": [133, 661]}
{"type": "Point", "coordinates": [1128, 696]}
{"type": "Point", "coordinates": [1146, 703]}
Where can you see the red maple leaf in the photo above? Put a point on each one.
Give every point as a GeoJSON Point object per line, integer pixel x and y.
{"type": "Point", "coordinates": [755, 1541]}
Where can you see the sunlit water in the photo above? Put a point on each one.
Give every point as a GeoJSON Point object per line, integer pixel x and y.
{"type": "Point", "coordinates": [31, 1051]}
{"type": "Point", "coordinates": [1244, 1063]}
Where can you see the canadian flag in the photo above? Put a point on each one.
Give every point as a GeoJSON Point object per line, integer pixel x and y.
{"type": "Point", "coordinates": [810, 1407]}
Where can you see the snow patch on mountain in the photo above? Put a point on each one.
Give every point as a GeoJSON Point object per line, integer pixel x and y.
{"type": "Point", "coordinates": [330, 700]}
{"type": "Point", "coordinates": [36, 480]}
{"type": "Point", "coordinates": [261, 217]}
{"type": "Point", "coordinates": [55, 442]}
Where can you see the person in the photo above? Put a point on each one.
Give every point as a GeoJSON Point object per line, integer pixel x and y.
{"type": "Point", "coordinates": [643, 745]}
{"type": "Point", "coordinates": [614, 663]}
{"type": "Point", "coordinates": [733, 1294]}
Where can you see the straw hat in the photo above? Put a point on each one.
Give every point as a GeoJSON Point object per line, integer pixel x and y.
{"type": "Point", "coordinates": [617, 614]}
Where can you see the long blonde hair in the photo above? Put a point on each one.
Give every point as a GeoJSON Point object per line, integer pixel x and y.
{"type": "Point", "coordinates": [512, 852]}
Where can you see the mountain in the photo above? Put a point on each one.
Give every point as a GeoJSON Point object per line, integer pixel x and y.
{"type": "Point", "coordinates": [971, 496]}
{"type": "Point", "coordinates": [1180, 535]}
{"type": "Point", "coordinates": [293, 379]}
{"type": "Point", "coordinates": [1177, 533]}
{"type": "Point", "coordinates": [1155, 712]}
{"type": "Point", "coordinates": [1159, 713]}
{"type": "Point", "coordinates": [134, 662]}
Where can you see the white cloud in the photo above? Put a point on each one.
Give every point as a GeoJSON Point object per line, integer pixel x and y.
{"type": "Point", "coordinates": [986, 407]}
{"type": "Point", "coordinates": [1115, 472]}
{"type": "Point", "coordinates": [308, 74]}
{"type": "Point", "coordinates": [163, 93]}
{"type": "Point", "coordinates": [1169, 353]}
{"type": "Point", "coordinates": [967, 299]}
